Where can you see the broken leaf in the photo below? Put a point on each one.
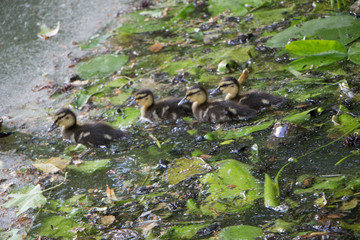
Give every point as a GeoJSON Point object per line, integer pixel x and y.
{"type": "Point", "coordinates": [240, 232]}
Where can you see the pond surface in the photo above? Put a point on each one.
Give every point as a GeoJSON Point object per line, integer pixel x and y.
{"type": "Point", "coordinates": [28, 63]}
{"type": "Point", "coordinates": [130, 182]}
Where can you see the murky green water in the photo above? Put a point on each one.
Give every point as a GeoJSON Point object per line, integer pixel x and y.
{"type": "Point", "coordinates": [132, 171]}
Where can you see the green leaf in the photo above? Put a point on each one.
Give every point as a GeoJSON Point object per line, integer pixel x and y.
{"type": "Point", "coordinates": [88, 167]}
{"type": "Point", "coordinates": [57, 226]}
{"type": "Point", "coordinates": [31, 198]}
{"type": "Point", "coordinates": [324, 183]}
{"type": "Point", "coordinates": [184, 13]}
{"type": "Point", "coordinates": [236, 6]}
{"type": "Point", "coordinates": [299, 118]}
{"type": "Point", "coordinates": [182, 232]}
{"type": "Point", "coordinates": [354, 53]}
{"type": "Point", "coordinates": [316, 53]}
{"type": "Point", "coordinates": [280, 226]}
{"type": "Point", "coordinates": [271, 192]}
{"type": "Point", "coordinates": [238, 133]}
{"type": "Point", "coordinates": [240, 232]}
{"type": "Point", "coordinates": [138, 22]}
{"type": "Point", "coordinates": [81, 98]}
{"type": "Point", "coordinates": [343, 124]}
{"type": "Point", "coordinates": [231, 189]}
{"type": "Point", "coordinates": [129, 116]}
{"type": "Point", "coordinates": [101, 66]}
{"type": "Point", "coordinates": [344, 29]}
{"type": "Point", "coordinates": [182, 168]}
{"type": "Point", "coordinates": [316, 47]}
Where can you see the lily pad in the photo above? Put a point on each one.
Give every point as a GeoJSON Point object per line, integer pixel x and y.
{"type": "Point", "coordinates": [344, 29]}
{"type": "Point", "coordinates": [315, 53]}
{"type": "Point", "coordinates": [354, 53]}
{"type": "Point", "coordinates": [101, 66]}
{"type": "Point", "coordinates": [89, 167]}
{"type": "Point", "coordinates": [182, 168]}
{"type": "Point", "coordinates": [231, 189]}
{"type": "Point", "coordinates": [240, 232]}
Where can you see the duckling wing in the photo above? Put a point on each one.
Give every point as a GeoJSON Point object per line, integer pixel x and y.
{"type": "Point", "coordinates": [259, 100]}
{"type": "Point", "coordinates": [168, 109]}
{"type": "Point", "coordinates": [235, 111]}
{"type": "Point", "coordinates": [220, 111]}
{"type": "Point", "coordinates": [97, 134]}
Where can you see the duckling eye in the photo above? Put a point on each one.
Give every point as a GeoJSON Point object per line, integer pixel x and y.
{"type": "Point", "coordinates": [67, 117]}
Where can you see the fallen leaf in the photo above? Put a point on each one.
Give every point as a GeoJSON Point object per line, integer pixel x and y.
{"type": "Point", "coordinates": [107, 220]}
{"type": "Point", "coordinates": [110, 194]}
{"type": "Point", "coordinates": [156, 47]}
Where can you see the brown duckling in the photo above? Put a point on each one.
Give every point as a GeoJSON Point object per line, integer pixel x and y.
{"type": "Point", "coordinates": [254, 99]}
{"type": "Point", "coordinates": [166, 109]}
{"type": "Point", "coordinates": [217, 111]}
{"type": "Point", "coordinates": [89, 134]}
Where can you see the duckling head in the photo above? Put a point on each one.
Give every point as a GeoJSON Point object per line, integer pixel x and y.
{"type": "Point", "coordinates": [144, 98]}
{"type": "Point", "coordinates": [196, 94]}
{"type": "Point", "coordinates": [63, 118]}
{"type": "Point", "coordinates": [228, 85]}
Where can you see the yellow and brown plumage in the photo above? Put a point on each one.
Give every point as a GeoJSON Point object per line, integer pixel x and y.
{"type": "Point", "coordinates": [89, 134]}
{"type": "Point", "coordinates": [217, 111]}
{"type": "Point", "coordinates": [166, 109]}
{"type": "Point", "coordinates": [254, 99]}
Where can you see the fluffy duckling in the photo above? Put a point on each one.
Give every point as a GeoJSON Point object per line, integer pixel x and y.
{"type": "Point", "coordinates": [254, 99]}
{"type": "Point", "coordinates": [88, 134]}
{"type": "Point", "coordinates": [166, 109]}
{"type": "Point", "coordinates": [217, 111]}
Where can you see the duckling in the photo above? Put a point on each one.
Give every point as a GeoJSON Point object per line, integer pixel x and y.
{"type": "Point", "coordinates": [217, 111]}
{"type": "Point", "coordinates": [254, 99]}
{"type": "Point", "coordinates": [88, 134]}
{"type": "Point", "coordinates": [166, 109]}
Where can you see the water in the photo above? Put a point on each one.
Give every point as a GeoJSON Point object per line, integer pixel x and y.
{"type": "Point", "coordinates": [27, 62]}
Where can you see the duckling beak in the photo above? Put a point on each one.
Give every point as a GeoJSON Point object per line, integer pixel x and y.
{"type": "Point", "coordinates": [215, 91]}
{"type": "Point", "coordinates": [53, 126]}
{"type": "Point", "coordinates": [182, 101]}
{"type": "Point", "coordinates": [132, 102]}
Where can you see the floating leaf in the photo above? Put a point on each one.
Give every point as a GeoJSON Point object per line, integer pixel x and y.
{"type": "Point", "coordinates": [236, 6]}
{"type": "Point", "coordinates": [222, 199]}
{"type": "Point", "coordinates": [101, 66]}
{"type": "Point", "coordinates": [315, 53]}
{"type": "Point", "coordinates": [238, 133]}
{"type": "Point", "coordinates": [138, 22]}
{"type": "Point", "coordinates": [32, 197]}
{"type": "Point", "coordinates": [156, 47]}
{"type": "Point", "coordinates": [182, 232]}
{"type": "Point", "coordinates": [344, 28]}
{"type": "Point", "coordinates": [299, 118]}
{"type": "Point", "coordinates": [52, 165]}
{"type": "Point", "coordinates": [344, 123]}
{"type": "Point", "coordinates": [240, 232]}
{"type": "Point", "coordinates": [57, 226]}
{"type": "Point", "coordinates": [89, 167]}
{"type": "Point", "coordinates": [354, 53]}
{"type": "Point", "coordinates": [280, 226]}
{"type": "Point", "coordinates": [324, 183]}
{"type": "Point", "coordinates": [46, 32]}
{"type": "Point", "coordinates": [182, 168]}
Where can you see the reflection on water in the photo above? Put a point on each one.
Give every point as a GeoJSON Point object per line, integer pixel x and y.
{"type": "Point", "coordinates": [26, 61]}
